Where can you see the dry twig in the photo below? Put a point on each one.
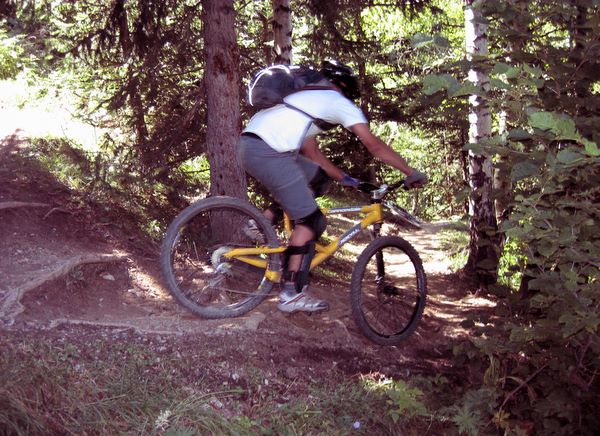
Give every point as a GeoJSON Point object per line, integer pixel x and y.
{"type": "Point", "coordinates": [16, 204]}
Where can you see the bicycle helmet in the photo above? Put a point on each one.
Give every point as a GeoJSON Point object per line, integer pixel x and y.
{"type": "Point", "coordinates": [341, 76]}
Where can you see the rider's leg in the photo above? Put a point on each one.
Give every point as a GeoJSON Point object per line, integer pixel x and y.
{"type": "Point", "coordinates": [287, 177]}
{"type": "Point", "coordinates": [319, 183]}
{"type": "Point", "coordinates": [273, 213]}
{"type": "Point", "coordinates": [299, 255]}
{"type": "Point", "coordinates": [306, 229]}
{"type": "Point", "coordinates": [299, 238]}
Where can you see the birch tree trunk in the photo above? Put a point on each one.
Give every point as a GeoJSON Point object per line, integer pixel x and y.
{"type": "Point", "coordinates": [484, 244]}
{"type": "Point", "coordinates": [282, 31]}
{"type": "Point", "coordinates": [221, 79]}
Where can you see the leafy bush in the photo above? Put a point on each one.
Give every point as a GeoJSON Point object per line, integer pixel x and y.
{"type": "Point", "coordinates": [11, 55]}
{"type": "Point", "coordinates": [542, 352]}
{"type": "Point", "coordinates": [558, 336]}
{"type": "Point", "coordinates": [403, 400]}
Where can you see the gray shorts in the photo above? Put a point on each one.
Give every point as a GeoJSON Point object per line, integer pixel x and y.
{"type": "Point", "coordinates": [285, 175]}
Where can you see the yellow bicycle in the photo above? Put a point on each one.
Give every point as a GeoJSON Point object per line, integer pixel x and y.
{"type": "Point", "coordinates": [216, 269]}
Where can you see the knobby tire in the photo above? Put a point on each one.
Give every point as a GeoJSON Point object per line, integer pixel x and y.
{"type": "Point", "coordinates": [388, 307]}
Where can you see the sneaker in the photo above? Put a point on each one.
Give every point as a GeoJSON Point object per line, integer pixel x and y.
{"type": "Point", "coordinates": [291, 301]}
{"type": "Point", "coordinates": [253, 232]}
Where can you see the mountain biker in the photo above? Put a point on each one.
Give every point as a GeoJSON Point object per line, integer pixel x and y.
{"type": "Point", "coordinates": [279, 149]}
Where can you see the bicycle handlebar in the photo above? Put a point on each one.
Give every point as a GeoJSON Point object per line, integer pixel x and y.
{"type": "Point", "coordinates": [378, 192]}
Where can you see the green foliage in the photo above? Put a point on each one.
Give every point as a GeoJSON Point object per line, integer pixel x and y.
{"type": "Point", "coordinates": [402, 399]}
{"type": "Point", "coordinates": [129, 385]}
{"type": "Point", "coordinates": [511, 264]}
{"type": "Point", "coordinates": [473, 412]}
{"type": "Point", "coordinates": [422, 150]}
{"type": "Point", "coordinates": [11, 55]}
{"type": "Point", "coordinates": [445, 82]}
{"type": "Point", "coordinates": [542, 69]}
{"type": "Point", "coordinates": [554, 215]}
{"type": "Point", "coordinates": [455, 243]}
{"type": "Point", "coordinates": [111, 184]}
{"type": "Point", "coordinates": [390, 50]}
{"type": "Point", "coordinates": [138, 68]}
{"type": "Point", "coordinates": [66, 390]}
{"type": "Point", "coordinates": [145, 68]}
{"type": "Point", "coordinates": [556, 226]}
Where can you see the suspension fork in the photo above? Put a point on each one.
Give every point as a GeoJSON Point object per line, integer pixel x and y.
{"type": "Point", "coordinates": [375, 232]}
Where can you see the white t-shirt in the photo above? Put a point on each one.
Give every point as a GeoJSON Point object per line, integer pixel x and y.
{"type": "Point", "coordinates": [285, 129]}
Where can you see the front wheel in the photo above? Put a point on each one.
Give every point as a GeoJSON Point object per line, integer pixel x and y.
{"type": "Point", "coordinates": [388, 290]}
{"type": "Point", "coordinates": [194, 265]}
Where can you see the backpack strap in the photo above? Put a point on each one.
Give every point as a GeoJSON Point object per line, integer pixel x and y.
{"type": "Point", "coordinates": [321, 124]}
{"type": "Point", "coordinates": [315, 88]}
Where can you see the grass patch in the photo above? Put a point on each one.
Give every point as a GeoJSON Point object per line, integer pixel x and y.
{"type": "Point", "coordinates": [65, 390]}
{"type": "Point", "coordinates": [455, 243]}
{"type": "Point", "coordinates": [103, 386]}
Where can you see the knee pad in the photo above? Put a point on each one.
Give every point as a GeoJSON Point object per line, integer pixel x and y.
{"type": "Point", "coordinates": [320, 183]}
{"type": "Point", "coordinates": [316, 221]}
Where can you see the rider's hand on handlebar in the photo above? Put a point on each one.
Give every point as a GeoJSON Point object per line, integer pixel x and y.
{"type": "Point", "coordinates": [416, 180]}
{"type": "Point", "coordinates": [349, 181]}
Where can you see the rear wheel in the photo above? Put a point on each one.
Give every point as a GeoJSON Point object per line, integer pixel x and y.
{"type": "Point", "coordinates": [388, 290]}
{"type": "Point", "coordinates": [195, 269]}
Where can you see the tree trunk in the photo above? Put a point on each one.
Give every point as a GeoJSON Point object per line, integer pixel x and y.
{"type": "Point", "coordinates": [266, 39]}
{"type": "Point", "coordinates": [221, 79]}
{"type": "Point", "coordinates": [282, 31]}
{"type": "Point", "coordinates": [484, 245]}
{"type": "Point", "coordinates": [139, 120]}
{"type": "Point", "coordinates": [119, 18]}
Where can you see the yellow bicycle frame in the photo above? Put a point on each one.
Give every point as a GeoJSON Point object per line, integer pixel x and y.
{"type": "Point", "coordinates": [252, 255]}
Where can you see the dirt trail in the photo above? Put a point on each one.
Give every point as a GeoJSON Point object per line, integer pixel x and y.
{"type": "Point", "coordinates": [57, 268]}
{"type": "Point", "coordinates": [62, 269]}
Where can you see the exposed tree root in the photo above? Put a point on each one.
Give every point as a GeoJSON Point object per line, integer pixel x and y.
{"type": "Point", "coordinates": [160, 325]}
{"type": "Point", "coordinates": [56, 209]}
{"type": "Point", "coordinates": [15, 204]}
{"type": "Point", "coordinates": [114, 324]}
{"type": "Point", "coordinates": [10, 302]}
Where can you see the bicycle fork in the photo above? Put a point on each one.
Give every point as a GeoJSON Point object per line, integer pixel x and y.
{"type": "Point", "coordinates": [375, 232]}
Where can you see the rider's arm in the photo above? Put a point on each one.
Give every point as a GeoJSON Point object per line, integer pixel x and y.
{"type": "Point", "coordinates": [310, 149]}
{"type": "Point", "coordinates": [380, 149]}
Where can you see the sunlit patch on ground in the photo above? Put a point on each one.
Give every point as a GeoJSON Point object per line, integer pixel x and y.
{"type": "Point", "coordinates": [25, 119]}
